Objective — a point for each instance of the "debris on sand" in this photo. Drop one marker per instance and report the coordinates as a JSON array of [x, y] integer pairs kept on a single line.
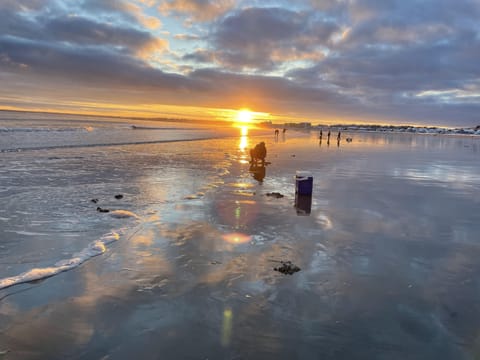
[[94, 201], [119, 196], [99, 209], [287, 268], [275, 195]]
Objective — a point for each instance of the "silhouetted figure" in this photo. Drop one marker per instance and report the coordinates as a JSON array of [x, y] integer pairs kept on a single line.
[[338, 136], [258, 171], [321, 134], [259, 152], [276, 132], [284, 130], [328, 136]]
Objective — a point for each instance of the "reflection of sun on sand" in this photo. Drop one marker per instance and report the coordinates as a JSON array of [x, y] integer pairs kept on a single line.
[[243, 138], [244, 120], [236, 238]]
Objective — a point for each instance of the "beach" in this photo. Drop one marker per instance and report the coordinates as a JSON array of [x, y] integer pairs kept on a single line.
[[182, 265]]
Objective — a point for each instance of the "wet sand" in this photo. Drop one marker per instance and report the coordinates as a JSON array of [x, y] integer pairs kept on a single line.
[[388, 255]]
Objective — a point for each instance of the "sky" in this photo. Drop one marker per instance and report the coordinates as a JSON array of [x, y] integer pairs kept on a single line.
[[322, 61]]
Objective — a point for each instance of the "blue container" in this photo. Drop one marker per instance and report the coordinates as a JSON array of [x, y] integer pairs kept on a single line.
[[303, 183]]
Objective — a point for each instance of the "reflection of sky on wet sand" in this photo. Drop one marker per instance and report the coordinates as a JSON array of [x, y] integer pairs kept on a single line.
[[388, 258], [452, 175]]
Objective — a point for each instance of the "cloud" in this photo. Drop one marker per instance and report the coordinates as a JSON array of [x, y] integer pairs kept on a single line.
[[14, 24], [100, 74], [127, 76], [394, 50], [79, 31], [129, 11], [263, 38], [83, 31], [196, 10], [150, 22], [22, 5], [149, 3], [187, 37], [200, 56], [93, 66]]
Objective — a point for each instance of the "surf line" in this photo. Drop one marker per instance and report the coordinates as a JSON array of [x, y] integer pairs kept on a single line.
[[95, 248]]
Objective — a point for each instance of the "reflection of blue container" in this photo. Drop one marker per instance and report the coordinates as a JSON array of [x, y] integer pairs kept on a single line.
[[303, 204], [303, 183]]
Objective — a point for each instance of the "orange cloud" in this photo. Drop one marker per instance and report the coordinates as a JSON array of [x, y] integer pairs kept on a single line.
[[196, 9], [149, 49], [136, 11]]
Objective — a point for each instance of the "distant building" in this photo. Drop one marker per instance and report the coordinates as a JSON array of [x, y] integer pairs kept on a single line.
[[302, 125]]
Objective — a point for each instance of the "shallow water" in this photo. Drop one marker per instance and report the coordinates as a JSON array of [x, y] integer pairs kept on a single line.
[[388, 253], [63, 132]]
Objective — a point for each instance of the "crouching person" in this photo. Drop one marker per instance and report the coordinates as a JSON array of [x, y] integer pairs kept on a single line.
[[259, 152]]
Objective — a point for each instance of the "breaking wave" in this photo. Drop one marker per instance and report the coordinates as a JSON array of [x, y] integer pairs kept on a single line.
[[95, 248]]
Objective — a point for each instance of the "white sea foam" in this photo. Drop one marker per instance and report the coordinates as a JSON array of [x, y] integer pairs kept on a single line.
[[198, 195], [37, 129], [27, 233], [95, 248], [120, 214]]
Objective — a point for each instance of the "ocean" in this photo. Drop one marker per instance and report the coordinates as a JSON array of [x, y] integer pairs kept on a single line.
[[56, 170]]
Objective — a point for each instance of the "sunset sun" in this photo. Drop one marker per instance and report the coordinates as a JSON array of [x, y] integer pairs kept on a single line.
[[244, 116]]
